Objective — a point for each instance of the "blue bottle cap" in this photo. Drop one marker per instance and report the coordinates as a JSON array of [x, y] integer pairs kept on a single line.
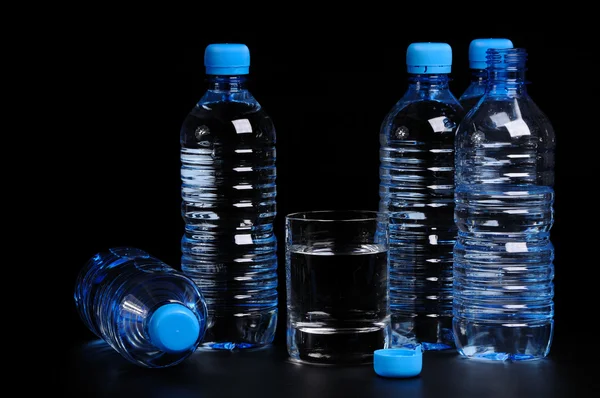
[[398, 362], [227, 59], [478, 48], [173, 328], [429, 58]]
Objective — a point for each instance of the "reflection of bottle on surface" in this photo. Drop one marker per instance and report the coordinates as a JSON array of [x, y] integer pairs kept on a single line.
[[417, 193], [503, 258], [478, 65], [147, 311], [228, 204]]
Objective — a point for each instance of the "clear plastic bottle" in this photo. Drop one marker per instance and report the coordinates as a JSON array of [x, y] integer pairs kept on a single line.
[[150, 313], [417, 194], [477, 66], [503, 257], [229, 204]]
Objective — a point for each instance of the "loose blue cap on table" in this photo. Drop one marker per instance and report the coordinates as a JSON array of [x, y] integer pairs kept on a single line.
[[429, 58], [173, 328], [398, 362], [479, 47], [227, 59]]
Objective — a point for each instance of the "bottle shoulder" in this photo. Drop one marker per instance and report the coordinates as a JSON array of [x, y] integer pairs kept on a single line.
[[505, 119], [227, 109], [422, 115], [473, 90], [444, 95], [426, 106], [223, 96], [234, 122]]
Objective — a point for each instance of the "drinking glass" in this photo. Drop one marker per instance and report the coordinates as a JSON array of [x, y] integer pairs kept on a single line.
[[337, 286]]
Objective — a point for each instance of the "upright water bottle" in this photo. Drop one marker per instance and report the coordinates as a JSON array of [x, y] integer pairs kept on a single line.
[[229, 204], [417, 195], [477, 66], [503, 258], [151, 314]]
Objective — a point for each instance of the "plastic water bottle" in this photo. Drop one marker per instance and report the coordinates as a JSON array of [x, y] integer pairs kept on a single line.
[[477, 66], [229, 204], [417, 194], [503, 258], [150, 313]]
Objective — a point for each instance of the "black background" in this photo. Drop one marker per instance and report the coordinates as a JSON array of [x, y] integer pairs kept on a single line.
[[114, 173]]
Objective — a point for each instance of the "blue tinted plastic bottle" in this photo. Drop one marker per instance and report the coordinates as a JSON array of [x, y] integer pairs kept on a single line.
[[229, 204], [477, 66], [147, 311], [417, 194], [503, 258]]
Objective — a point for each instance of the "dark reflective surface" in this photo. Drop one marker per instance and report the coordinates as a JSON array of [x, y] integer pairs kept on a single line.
[[127, 97], [94, 369]]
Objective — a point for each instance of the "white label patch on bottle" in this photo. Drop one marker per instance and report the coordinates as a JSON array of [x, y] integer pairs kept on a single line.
[[437, 124], [516, 128], [243, 239], [500, 119], [412, 215], [516, 247], [242, 126]]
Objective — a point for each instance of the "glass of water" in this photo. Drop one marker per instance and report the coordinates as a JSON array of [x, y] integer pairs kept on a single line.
[[337, 286]]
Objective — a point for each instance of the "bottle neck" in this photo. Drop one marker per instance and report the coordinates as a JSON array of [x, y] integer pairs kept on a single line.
[[226, 89], [507, 83], [506, 71], [428, 83], [479, 77], [229, 84]]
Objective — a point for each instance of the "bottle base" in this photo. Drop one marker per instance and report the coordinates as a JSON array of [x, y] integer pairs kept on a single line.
[[498, 342], [231, 346], [432, 333], [227, 331], [500, 357]]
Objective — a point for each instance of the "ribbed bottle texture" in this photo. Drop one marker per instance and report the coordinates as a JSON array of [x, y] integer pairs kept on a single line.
[[503, 258], [150, 313], [417, 194], [228, 175]]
